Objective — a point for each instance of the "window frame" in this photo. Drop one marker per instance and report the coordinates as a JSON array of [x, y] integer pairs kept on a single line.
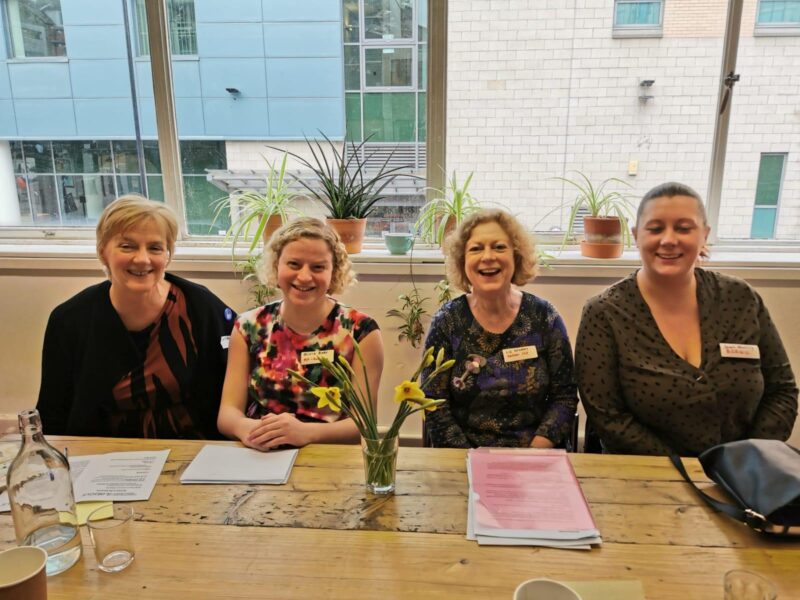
[[139, 33], [777, 206], [791, 28], [635, 30], [5, 23]]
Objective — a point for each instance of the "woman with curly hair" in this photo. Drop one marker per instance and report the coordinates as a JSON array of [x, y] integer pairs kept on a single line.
[[262, 405], [513, 383]]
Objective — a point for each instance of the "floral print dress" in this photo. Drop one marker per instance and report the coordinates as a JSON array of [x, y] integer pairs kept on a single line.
[[492, 401], [274, 348]]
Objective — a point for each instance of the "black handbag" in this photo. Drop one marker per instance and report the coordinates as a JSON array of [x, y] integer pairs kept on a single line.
[[761, 476]]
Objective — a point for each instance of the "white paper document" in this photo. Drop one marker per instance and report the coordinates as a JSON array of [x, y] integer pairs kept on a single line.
[[116, 476], [226, 464]]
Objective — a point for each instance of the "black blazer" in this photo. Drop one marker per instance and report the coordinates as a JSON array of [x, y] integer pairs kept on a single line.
[[87, 350]]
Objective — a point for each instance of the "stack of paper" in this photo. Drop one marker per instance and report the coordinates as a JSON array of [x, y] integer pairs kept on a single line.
[[526, 497], [226, 464]]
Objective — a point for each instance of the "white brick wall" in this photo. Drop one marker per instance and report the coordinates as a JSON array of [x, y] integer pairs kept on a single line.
[[537, 90]]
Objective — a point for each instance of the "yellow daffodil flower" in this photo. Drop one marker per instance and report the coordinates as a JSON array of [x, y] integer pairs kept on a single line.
[[328, 396], [408, 390]]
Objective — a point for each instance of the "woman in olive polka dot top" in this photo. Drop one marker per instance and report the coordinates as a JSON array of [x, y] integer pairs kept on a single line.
[[675, 357]]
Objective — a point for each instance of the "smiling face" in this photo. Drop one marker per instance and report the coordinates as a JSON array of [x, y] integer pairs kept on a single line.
[[489, 259], [670, 235], [137, 258], [305, 269]]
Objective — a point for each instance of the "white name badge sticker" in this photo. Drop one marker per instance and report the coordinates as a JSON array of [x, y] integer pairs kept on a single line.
[[523, 353], [747, 351], [225, 341], [312, 356]]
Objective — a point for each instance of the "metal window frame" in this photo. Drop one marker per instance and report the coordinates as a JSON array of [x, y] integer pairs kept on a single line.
[[788, 28], [637, 29]]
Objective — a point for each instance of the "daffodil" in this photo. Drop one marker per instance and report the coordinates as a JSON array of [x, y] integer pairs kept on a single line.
[[328, 396], [408, 390]]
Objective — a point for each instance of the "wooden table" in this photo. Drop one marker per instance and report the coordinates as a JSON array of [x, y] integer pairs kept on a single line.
[[322, 536]]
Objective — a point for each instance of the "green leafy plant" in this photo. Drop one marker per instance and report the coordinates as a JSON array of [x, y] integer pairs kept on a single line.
[[444, 293], [410, 315], [599, 202], [253, 209], [342, 184], [454, 204], [260, 293]]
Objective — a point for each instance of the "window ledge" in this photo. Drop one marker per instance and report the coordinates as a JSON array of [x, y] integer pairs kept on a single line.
[[776, 30], [637, 32], [377, 261]]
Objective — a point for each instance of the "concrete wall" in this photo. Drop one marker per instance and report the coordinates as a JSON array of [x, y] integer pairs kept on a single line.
[[29, 295]]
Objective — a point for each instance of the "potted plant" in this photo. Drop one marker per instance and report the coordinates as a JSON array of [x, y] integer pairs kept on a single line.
[[345, 187], [605, 228], [441, 215], [260, 213]]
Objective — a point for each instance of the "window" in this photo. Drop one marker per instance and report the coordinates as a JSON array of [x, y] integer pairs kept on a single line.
[[635, 18], [35, 28], [778, 17], [182, 28], [768, 193]]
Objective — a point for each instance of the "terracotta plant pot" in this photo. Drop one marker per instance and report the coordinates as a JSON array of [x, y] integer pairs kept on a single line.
[[274, 222], [351, 231], [603, 237]]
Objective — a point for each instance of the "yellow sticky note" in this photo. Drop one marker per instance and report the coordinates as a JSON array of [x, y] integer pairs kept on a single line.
[[84, 509]]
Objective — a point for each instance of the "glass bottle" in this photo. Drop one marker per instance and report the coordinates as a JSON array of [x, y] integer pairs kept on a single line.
[[41, 498]]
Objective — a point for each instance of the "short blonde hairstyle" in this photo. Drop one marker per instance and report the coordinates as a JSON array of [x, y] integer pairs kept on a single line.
[[314, 229], [525, 263], [131, 211]]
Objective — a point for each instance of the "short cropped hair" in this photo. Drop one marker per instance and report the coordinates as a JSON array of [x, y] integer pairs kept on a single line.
[[525, 263], [308, 228], [131, 211], [670, 189]]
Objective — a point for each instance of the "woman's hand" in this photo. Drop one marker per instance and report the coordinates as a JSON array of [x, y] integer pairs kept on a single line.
[[539, 441], [274, 430]]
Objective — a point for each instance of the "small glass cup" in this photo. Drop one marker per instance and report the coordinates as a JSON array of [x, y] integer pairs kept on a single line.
[[113, 543], [746, 585]]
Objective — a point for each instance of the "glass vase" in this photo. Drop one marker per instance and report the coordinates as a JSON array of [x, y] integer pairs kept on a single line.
[[380, 462], [41, 498]]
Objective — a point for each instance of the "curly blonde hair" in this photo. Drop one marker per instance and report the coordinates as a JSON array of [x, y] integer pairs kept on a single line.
[[314, 229], [525, 263], [131, 211]]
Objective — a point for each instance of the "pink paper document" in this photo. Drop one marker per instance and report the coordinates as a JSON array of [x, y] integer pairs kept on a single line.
[[528, 494]]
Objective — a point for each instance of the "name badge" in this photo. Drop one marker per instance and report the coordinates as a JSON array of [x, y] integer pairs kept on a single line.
[[312, 357], [523, 353], [747, 351], [225, 341]]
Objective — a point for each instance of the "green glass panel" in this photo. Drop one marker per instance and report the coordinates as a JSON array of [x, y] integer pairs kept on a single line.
[[422, 20], [422, 106], [37, 157], [770, 171], [126, 161], [352, 68], [422, 67], [83, 157], [778, 12], [350, 21], [763, 226], [389, 117], [388, 67], [16, 157], [388, 19], [200, 195], [352, 104], [638, 13], [155, 188], [197, 156]]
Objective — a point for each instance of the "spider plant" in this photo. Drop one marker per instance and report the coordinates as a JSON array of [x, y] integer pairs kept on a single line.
[[452, 206], [410, 314]]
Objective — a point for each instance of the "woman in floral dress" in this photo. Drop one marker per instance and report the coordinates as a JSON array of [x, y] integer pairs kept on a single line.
[[262, 405]]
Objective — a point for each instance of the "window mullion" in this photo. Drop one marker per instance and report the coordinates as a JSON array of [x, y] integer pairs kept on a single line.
[[720, 141], [166, 123]]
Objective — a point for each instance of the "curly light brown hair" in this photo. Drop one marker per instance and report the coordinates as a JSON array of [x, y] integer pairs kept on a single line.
[[525, 263], [131, 210], [309, 228]]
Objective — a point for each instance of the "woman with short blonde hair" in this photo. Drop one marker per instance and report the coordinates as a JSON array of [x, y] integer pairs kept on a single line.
[[142, 354], [263, 406], [512, 384]]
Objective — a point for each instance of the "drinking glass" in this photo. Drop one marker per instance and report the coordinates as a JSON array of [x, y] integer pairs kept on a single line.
[[113, 543], [746, 585]]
